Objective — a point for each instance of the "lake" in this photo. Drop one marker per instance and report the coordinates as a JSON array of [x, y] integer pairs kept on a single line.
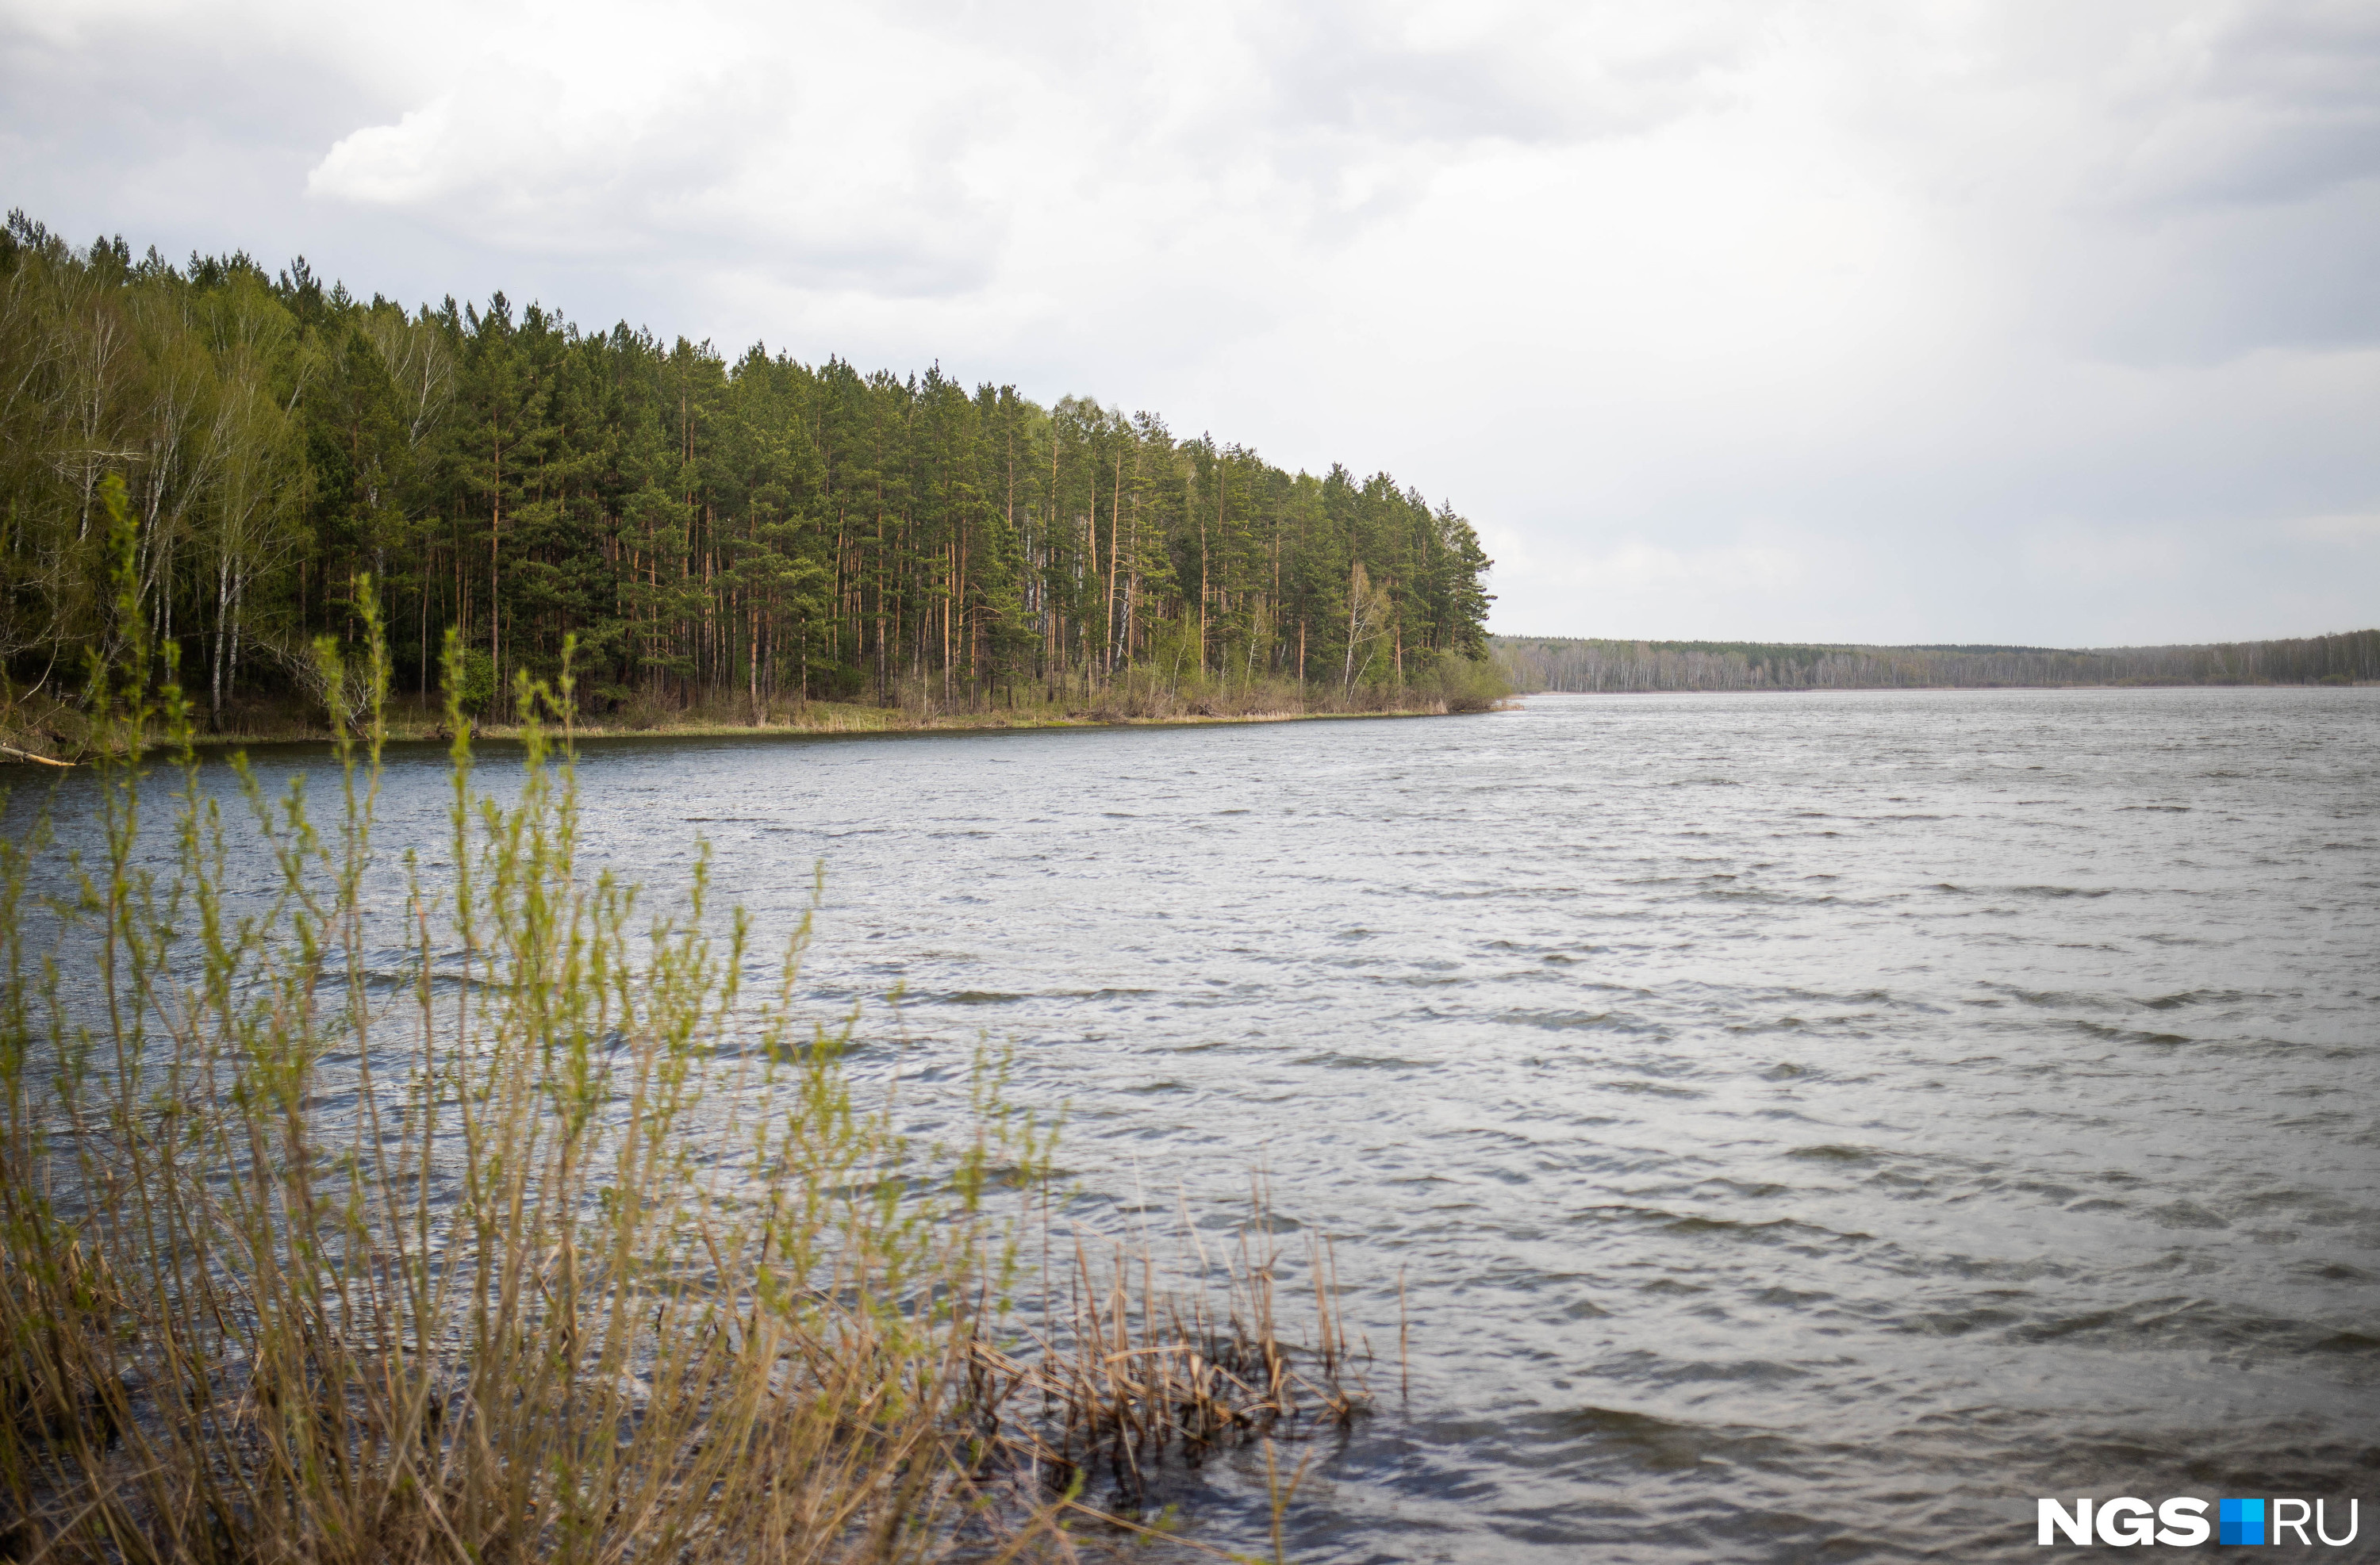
[[1808, 1126]]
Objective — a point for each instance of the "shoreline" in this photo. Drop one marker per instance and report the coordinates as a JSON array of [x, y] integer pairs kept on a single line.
[[841, 724], [1965, 689]]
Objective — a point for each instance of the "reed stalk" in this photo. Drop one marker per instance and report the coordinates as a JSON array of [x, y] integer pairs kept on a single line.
[[491, 1221]]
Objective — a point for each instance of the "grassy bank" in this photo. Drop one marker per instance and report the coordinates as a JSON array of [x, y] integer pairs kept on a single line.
[[501, 1223], [35, 730]]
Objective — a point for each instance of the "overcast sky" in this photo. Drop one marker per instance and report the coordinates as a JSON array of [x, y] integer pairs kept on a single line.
[[2027, 321]]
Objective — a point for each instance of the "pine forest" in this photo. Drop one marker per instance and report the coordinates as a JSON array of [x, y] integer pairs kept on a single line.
[[731, 535]]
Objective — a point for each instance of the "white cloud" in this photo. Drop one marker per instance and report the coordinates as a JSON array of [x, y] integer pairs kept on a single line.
[[1729, 319], [2361, 530]]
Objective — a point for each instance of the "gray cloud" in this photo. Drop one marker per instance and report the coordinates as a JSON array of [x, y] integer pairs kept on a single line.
[[2031, 322]]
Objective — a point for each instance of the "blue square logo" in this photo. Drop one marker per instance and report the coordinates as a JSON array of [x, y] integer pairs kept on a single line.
[[2241, 1521]]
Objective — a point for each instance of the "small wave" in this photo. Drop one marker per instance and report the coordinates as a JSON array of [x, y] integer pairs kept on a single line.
[[2199, 997], [1335, 1062], [2187, 1214], [2332, 1272], [2128, 1035], [2348, 1343], [1757, 1371], [2059, 999], [1659, 1445], [1957, 1323], [1651, 1090], [2194, 1322], [1576, 1021], [1763, 1231]]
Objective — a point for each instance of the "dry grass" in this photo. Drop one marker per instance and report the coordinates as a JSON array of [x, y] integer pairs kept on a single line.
[[1146, 692], [540, 1241], [1127, 1368]]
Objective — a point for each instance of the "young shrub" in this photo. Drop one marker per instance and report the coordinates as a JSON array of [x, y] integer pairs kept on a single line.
[[555, 1249]]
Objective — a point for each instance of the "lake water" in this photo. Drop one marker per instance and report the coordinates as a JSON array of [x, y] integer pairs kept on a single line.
[[1810, 1126]]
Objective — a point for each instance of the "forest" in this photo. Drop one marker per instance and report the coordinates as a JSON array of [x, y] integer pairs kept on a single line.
[[1562, 663], [732, 536]]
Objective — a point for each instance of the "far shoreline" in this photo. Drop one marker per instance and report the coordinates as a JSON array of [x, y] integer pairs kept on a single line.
[[1966, 689]]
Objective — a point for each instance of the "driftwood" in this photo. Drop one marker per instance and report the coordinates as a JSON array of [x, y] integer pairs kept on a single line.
[[13, 753]]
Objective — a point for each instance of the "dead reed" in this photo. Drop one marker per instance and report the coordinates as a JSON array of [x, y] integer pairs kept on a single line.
[[1140, 1363], [542, 1242]]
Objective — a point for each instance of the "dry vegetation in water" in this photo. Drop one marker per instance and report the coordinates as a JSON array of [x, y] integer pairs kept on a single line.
[[537, 1241], [40, 729]]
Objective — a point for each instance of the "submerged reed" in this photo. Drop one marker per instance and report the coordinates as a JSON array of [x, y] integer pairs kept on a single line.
[[544, 1242], [1133, 1368]]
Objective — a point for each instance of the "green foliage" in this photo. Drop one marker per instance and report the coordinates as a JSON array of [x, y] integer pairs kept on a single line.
[[700, 528], [1472, 684], [497, 1222], [542, 1242], [471, 681], [1548, 662]]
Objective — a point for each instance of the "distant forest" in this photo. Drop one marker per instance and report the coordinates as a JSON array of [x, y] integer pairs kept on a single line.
[[1538, 662], [730, 531]]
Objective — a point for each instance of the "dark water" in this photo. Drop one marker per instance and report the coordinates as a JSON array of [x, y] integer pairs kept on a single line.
[[1812, 1126]]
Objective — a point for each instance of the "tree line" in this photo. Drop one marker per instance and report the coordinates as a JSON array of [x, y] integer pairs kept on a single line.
[[1565, 663], [710, 531]]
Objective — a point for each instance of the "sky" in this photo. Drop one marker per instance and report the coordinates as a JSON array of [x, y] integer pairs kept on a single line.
[[1879, 320]]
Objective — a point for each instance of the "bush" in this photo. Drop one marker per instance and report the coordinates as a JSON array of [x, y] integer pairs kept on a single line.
[[1472, 684], [538, 1241], [564, 1252], [470, 680]]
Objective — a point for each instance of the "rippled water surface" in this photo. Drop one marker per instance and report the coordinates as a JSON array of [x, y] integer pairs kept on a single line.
[[1810, 1126]]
